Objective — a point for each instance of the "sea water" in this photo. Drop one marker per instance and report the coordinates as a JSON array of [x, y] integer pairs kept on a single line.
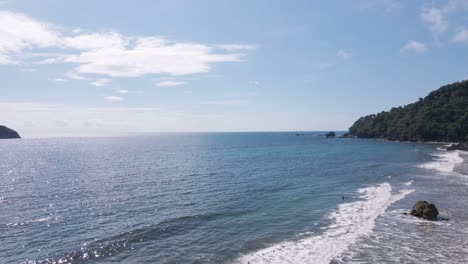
[[229, 198]]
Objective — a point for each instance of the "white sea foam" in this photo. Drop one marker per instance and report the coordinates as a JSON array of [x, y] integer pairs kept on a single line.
[[444, 161], [350, 222], [408, 183]]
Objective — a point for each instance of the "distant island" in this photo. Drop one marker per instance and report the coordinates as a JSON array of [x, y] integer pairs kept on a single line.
[[6, 132], [441, 116]]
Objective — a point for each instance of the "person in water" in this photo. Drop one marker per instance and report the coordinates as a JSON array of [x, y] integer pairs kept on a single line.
[[342, 197]]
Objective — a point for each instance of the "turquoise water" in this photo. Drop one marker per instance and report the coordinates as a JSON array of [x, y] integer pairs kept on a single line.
[[207, 197]]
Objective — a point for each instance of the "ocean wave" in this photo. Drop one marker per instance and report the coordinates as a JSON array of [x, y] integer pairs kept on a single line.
[[48, 220], [350, 222], [444, 161], [129, 240], [408, 183]]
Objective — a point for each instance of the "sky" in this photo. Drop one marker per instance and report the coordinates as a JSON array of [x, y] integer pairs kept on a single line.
[[97, 68]]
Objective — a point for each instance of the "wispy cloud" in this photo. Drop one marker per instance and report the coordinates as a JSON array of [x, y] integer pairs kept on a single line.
[[113, 98], [414, 46], [27, 33], [461, 36], [60, 80], [100, 82], [169, 83], [343, 54], [237, 47], [110, 54], [437, 18], [75, 120], [125, 91]]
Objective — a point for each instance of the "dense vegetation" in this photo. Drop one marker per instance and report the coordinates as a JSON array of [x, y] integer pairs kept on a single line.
[[440, 116]]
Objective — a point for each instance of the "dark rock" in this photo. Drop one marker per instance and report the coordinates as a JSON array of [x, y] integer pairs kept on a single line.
[[459, 146], [347, 135], [330, 134], [6, 132], [425, 210]]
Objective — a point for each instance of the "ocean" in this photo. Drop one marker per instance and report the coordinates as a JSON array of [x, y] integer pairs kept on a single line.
[[229, 198]]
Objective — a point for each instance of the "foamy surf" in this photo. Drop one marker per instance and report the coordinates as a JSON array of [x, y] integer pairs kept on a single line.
[[445, 161], [350, 222], [408, 183]]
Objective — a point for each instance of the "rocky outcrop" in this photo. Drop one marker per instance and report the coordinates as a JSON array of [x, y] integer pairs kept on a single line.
[[459, 146], [330, 134], [6, 132], [347, 135], [425, 210]]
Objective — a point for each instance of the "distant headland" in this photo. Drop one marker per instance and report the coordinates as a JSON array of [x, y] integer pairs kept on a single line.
[[6, 132], [441, 116]]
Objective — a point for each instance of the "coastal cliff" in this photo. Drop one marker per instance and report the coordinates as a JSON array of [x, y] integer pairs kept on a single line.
[[6, 132], [440, 116]]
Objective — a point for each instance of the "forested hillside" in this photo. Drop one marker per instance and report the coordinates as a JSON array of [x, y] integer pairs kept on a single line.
[[440, 116]]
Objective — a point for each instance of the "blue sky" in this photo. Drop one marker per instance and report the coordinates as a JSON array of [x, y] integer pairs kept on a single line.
[[84, 68]]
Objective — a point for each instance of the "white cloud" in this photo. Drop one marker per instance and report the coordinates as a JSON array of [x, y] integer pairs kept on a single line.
[[60, 80], [437, 17], [150, 55], [109, 54], [414, 46], [343, 54], [75, 76], [19, 32], [112, 98], [123, 91], [461, 36], [96, 41], [436, 20], [100, 82], [169, 83]]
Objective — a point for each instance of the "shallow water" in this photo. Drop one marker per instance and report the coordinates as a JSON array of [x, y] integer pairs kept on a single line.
[[226, 198]]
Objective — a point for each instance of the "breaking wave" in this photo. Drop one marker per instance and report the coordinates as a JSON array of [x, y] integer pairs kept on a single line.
[[349, 222]]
